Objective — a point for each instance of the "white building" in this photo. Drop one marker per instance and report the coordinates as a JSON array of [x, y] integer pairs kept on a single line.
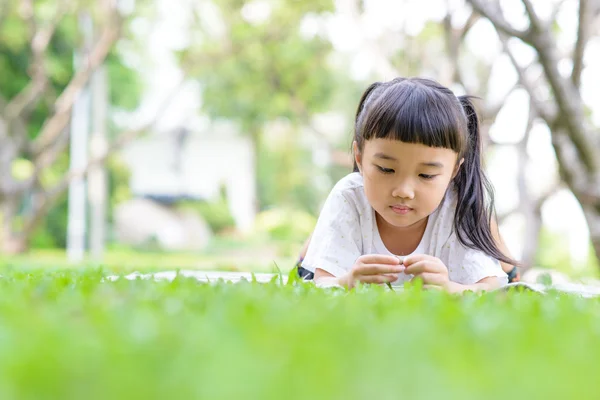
[[183, 164]]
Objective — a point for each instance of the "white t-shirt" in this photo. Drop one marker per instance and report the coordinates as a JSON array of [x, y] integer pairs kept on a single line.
[[347, 229]]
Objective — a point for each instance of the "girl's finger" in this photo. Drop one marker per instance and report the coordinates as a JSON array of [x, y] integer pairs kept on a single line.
[[378, 259], [417, 268], [425, 266], [415, 258], [378, 269]]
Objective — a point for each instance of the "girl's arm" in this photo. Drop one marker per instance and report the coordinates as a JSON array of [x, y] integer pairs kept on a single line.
[[502, 247], [325, 279], [487, 284], [304, 248]]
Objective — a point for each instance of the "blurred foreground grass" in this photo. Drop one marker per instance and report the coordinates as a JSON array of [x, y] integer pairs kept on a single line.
[[70, 335]]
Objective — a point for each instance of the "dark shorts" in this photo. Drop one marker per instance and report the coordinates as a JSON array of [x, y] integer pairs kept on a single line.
[[303, 272], [512, 275]]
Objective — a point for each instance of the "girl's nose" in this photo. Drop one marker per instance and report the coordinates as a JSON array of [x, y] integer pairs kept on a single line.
[[404, 191]]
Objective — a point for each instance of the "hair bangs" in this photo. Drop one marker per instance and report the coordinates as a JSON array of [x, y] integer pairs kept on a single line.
[[414, 113]]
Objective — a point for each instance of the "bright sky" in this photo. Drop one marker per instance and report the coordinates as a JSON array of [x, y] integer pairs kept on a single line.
[[362, 40]]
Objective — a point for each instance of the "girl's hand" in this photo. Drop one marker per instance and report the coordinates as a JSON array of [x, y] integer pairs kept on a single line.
[[431, 270], [374, 268]]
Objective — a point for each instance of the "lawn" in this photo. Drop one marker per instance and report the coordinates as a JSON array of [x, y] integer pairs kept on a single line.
[[127, 260], [69, 334]]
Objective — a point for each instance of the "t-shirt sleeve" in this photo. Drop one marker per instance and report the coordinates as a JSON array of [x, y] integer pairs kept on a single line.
[[475, 266], [336, 242]]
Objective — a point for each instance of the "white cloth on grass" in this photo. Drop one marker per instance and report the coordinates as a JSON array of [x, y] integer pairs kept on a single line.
[[347, 229]]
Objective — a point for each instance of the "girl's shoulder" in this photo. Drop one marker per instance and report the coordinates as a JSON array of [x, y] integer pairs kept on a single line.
[[349, 183], [349, 191]]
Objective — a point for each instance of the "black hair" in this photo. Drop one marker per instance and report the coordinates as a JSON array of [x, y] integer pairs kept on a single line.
[[418, 110], [366, 100]]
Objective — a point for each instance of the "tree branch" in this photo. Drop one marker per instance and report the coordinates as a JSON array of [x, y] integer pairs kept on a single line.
[[535, 22], [566, 93], [47, 198], [571, 168], [556, 10], [9, 150], [583, 34], [26, 97], [40, 38], [58, 122], [569, 102], [17, 125], [454, 39], [543, 110], [473, 18], [494, 15], [48, 157], [27, 13], [491, 111], [525, 199]]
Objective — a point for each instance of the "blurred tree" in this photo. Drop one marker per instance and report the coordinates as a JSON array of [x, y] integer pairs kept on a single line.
[[259, 65], [38, 87], [557, 97], [529, 204]]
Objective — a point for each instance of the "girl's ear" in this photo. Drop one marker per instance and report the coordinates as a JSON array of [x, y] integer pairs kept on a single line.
[[457, 168], [357, 155]]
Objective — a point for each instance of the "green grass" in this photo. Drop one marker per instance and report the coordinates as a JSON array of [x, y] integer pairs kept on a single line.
[[69, 335]]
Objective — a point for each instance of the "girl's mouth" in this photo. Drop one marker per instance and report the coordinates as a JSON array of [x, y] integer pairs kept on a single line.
[[401, 209]]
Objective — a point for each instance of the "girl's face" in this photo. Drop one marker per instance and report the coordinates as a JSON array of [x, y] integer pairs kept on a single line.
[[405, 182]]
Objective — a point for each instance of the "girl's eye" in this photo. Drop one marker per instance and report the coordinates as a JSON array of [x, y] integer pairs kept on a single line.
[[385, 170], [427, 177]]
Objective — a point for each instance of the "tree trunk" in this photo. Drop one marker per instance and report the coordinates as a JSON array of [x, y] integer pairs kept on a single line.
[[574, 140], [592, 216], [530, 205], [533, 227], [12, 242], [596, 245]]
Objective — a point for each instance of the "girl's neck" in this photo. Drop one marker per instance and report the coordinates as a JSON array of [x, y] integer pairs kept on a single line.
[[401, 241]]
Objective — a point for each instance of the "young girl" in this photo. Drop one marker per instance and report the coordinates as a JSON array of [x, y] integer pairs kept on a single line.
[[416, 205]]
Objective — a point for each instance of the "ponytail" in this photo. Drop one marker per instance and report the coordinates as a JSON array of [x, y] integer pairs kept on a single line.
[[475, 203]]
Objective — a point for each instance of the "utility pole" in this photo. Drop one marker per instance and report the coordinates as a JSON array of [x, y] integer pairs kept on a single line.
[[80, 125], [97, 177]]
